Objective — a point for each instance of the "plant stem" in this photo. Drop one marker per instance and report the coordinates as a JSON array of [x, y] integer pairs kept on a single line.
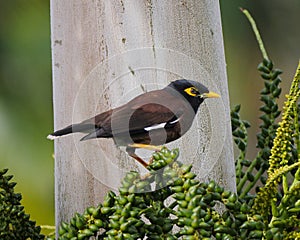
[[242, 155], [244, 179], [239, 167], [251, 184], [256, 32]]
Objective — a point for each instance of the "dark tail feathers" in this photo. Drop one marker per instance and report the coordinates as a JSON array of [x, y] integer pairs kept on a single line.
[[72, 129]]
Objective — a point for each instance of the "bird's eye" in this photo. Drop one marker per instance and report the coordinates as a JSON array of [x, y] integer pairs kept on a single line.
[[192, 91]]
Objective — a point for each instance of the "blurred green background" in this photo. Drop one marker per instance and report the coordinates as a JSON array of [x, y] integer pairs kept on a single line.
[[25, 83]]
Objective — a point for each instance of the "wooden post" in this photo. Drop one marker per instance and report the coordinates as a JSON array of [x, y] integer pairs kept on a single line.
[[107, 52]]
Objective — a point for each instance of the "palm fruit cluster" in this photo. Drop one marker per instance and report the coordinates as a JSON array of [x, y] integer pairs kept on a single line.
[[14, 222], [269, 94], [282, 211], [137, 211], [168, 203], [250, 172], [199, 211]]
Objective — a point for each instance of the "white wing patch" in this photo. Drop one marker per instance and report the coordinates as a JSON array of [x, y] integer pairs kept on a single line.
[[160, 126], [157, 126], [175, 121]]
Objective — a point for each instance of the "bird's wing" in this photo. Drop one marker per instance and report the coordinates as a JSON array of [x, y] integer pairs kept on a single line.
[[152, 115], [147, 110], [136, 120]]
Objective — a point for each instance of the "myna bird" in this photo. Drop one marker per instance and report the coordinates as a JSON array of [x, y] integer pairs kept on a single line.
[[147, 121]]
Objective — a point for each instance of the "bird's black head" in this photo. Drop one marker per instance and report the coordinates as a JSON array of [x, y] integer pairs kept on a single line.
[[193, 91]]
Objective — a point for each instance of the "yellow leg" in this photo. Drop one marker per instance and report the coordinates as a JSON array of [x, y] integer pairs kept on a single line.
[[145, 146]]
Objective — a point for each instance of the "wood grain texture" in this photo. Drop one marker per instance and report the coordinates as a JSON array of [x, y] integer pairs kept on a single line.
[[104, 53]]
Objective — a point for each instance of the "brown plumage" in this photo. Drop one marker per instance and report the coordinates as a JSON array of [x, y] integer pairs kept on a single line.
[[153, 118]]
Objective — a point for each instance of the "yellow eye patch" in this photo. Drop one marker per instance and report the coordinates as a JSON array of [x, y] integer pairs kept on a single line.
[[192, 91]]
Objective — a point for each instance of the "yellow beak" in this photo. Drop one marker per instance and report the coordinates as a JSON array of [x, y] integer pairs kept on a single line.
[[210, 95]]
